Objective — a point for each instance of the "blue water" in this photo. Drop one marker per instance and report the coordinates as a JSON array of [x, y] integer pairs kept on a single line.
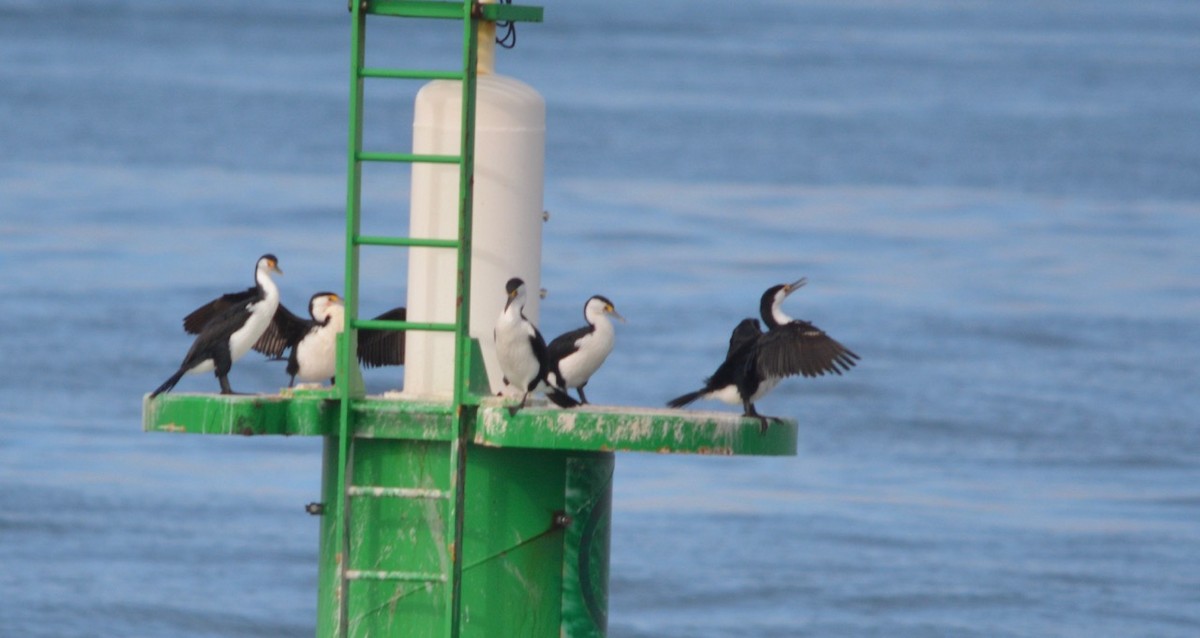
[[997, 204]]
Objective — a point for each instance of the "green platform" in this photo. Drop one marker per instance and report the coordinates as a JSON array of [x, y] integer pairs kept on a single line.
[[589, 428]]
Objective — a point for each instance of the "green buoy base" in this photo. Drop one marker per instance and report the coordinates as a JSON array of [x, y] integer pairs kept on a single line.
[[537, 502]]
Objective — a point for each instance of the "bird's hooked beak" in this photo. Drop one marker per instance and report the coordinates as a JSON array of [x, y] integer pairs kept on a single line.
[[275, 267], [795, 285], [613, 311]]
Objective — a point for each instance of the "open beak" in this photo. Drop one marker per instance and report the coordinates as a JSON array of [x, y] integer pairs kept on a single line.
[[795, 285]]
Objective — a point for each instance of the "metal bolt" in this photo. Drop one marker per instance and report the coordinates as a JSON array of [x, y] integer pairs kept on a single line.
[[561, 519], [545, 215], [316, 509]]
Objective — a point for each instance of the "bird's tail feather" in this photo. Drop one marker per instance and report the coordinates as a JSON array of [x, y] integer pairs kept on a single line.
[[684, 399], [560, 398], [169, 383]]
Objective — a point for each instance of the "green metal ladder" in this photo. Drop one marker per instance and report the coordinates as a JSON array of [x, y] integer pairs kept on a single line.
[[464, 404]]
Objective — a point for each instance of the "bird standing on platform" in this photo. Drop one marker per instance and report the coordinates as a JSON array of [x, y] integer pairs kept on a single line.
[[228, 327], [756, 363], [521, 351], [579, 353], [734, 382], [313, 342]]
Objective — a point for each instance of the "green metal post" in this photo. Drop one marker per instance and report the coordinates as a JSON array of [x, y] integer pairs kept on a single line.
[[348, 375], [464, 414]]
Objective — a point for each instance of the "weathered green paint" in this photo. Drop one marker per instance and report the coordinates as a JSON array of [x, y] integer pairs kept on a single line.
[[634, 430], [587, 428], [529, 510], [242, 415], [525, 571], [585, 548]]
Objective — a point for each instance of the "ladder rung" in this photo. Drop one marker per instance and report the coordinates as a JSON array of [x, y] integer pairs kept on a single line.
[[411, 158], [396, 492], [419, 577], [415, 326], [414, 242], [416, 8], [409, 74], [453, 10]]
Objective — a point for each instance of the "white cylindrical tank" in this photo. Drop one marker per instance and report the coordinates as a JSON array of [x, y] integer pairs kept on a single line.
[[510, 134]]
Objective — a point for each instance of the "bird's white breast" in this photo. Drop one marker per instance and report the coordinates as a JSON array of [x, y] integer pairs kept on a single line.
[[316, 354], [514, 350], [593, 349], [256, 324]]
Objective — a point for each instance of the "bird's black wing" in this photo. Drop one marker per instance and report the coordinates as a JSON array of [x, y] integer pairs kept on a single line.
[[216, 332], [383, 347], [801, 348], [566, 344], [194, 323], [546, 367], [285, 330], [538, 343], [745, 334], [739, 361]]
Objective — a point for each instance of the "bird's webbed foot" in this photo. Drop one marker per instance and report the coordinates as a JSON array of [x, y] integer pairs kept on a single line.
[[512, 409], [764, 421]]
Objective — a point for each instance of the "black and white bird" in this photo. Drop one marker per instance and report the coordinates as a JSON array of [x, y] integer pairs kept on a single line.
[[735, 381], [794, 346], [313, 342], [578, 354], [521, 351], [228, 327], [758, 361]]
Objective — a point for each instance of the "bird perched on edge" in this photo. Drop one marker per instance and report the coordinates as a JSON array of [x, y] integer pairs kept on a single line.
[[313, 342], [756, 361], [521, 350], [579, 353], [229, 327]]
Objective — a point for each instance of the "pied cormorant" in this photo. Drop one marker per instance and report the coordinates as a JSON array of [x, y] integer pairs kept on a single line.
[[313, 342], [579, 353], [758, 361], [734, 381], [521, 351], [229, 326]]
